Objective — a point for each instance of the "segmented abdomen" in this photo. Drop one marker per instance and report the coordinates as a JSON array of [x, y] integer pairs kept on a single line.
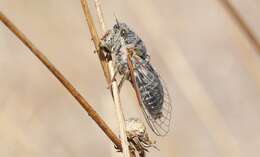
[[151, 89]]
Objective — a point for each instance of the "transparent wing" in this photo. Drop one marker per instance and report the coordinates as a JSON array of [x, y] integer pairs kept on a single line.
[[151, 91]]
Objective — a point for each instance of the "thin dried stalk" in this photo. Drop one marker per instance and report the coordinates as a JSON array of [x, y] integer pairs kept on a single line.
[[115, 93], [241, 23], [72, 90], [100, 16], [94, 37]]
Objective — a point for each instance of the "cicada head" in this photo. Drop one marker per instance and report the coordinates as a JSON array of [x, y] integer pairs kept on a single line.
[[121, 30], [117, 36]]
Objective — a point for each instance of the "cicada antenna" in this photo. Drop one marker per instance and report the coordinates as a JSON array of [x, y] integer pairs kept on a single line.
[[117, 22]]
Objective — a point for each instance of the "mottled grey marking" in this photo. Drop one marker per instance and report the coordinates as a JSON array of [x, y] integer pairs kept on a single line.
[[116, 42]]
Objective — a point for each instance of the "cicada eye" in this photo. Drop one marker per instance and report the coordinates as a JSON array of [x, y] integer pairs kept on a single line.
[[116, 26], [123, 33]]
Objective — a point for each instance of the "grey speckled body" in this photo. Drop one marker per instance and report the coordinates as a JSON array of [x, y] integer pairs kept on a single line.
[[117, 42]]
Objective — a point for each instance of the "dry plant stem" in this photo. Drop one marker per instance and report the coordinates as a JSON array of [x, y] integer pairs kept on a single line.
[[119, 113], [95, 39], [87, 107], [115, 93], [100, 16], [242, 24]]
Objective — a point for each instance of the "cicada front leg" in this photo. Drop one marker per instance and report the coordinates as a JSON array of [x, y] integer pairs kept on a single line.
[[105, 45], [112, 79], [122, 80], [125, 77], [106, 34]]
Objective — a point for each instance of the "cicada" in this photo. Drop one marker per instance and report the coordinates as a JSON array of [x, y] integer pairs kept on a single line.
[[132, 62]]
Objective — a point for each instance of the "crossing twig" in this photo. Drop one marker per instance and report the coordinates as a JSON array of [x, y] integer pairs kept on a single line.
[[72, 90]]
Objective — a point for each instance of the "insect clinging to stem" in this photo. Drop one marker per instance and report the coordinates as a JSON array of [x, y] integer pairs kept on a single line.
[[132, 61]]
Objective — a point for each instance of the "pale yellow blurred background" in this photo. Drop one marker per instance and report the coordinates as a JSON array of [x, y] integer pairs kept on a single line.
[[211, 70]]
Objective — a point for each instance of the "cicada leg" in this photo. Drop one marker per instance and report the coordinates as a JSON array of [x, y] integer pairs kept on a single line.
[[125, 77], [105, 35], [112, 79], [103, 45]]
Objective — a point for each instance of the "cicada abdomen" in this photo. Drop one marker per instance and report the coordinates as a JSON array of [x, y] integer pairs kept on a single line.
[[151, 89], [156, 103]]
